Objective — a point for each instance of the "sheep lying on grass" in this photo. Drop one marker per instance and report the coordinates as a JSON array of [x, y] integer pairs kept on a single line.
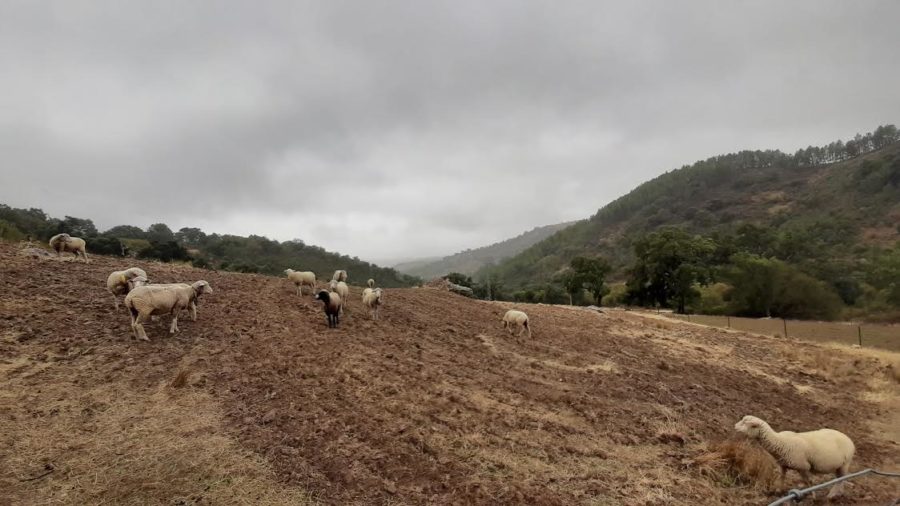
[[144, 301], [517, 320], [62, 243], [372, 299], [118, 282], [333, 306], [818, 451], [341, 289], [301, 279], [339, 276]]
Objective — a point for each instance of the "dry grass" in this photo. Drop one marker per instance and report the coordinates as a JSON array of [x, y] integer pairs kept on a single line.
[[735, 463], [165, 448]]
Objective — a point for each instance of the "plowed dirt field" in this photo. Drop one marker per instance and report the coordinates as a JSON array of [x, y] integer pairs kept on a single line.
[[259, 402]]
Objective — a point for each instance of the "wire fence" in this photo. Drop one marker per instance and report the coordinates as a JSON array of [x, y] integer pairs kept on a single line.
[[883, 336]]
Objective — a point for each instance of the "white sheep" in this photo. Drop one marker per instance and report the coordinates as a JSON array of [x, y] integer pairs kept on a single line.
[[144, 301], [372, 299], [370, 283], [118, 282], [819, 451], [517, 320], [301, 279], [333, 306], [341, 289], [62, 243], [339, 276]]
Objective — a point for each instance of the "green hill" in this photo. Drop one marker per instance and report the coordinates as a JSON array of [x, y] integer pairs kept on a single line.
[[471, 260], [823, 203]]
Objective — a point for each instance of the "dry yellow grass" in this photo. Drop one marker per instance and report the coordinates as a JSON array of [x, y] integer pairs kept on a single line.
[[167, 447], [739, 463]]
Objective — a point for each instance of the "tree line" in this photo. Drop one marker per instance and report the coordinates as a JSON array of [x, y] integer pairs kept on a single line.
[[254, 254]]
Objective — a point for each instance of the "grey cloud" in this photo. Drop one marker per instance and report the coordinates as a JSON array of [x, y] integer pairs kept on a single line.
[[396, 129]]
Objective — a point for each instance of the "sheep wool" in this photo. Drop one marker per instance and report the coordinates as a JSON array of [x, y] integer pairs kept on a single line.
[[118, 282], [339, 276], [145, 301], [515, 320], [302, 279], [62, 243], [370, 283], [341, 289], [818, 451], [372, 299]]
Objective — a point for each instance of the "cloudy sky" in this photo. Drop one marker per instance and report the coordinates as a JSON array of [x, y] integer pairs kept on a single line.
[[391, 130]]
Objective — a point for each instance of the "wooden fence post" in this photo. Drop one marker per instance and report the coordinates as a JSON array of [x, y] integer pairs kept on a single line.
[[729, 321], [859, 333], [785, 326]]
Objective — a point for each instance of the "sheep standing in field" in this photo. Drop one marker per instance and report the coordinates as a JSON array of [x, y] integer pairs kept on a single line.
[[372, 299], [118, 282], [339, 276], [148, 300], [818, 451], [301, 279], [62, 243], [192, 308], [341, 289], [370, 283], [517, 320], [333, 306]]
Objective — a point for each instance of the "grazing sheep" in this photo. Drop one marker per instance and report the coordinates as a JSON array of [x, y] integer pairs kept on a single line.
[[62, 243], [339, 276], [518, 320], [372, 299], [370, 283], [342, 289], [333, 306], [193, 306], [301, 279], [118, 282], [819, 451], [144, 301]]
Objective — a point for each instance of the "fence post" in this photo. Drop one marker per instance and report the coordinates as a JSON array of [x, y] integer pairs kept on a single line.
[[785, 326], [859, 333], [729, 321], [689, 316]]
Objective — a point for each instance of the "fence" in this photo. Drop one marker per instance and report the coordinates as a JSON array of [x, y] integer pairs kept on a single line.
[[886, 337]]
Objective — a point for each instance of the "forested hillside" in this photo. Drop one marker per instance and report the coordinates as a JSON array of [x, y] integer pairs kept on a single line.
[[829, 211], [226, 252], [471, 260]]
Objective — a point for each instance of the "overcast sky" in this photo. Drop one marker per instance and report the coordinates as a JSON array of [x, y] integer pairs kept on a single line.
[[391, 130]]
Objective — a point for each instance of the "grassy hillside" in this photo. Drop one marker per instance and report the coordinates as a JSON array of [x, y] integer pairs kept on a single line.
[[833, 211], [471, 260], [259, 402]]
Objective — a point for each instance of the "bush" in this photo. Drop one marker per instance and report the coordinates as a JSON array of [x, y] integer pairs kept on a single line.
[[101, 245], [617, 296], [712, 299], [9, 232], [165, 251]]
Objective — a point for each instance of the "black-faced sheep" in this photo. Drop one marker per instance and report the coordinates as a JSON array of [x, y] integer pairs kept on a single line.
[[62, 243], [818, 451], [333, 306]]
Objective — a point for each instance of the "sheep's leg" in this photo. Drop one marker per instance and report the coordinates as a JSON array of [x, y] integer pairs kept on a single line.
[[116, 301], [838, 490], [139, 327], [193, 311], [173, 328]]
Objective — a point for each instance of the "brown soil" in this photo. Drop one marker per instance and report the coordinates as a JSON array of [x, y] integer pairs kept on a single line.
[[259, 402]]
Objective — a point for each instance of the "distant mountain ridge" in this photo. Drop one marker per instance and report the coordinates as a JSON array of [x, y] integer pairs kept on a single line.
[[833, 199], [468, 262]]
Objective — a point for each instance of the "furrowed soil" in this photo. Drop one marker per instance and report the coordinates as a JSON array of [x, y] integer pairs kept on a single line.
[[259, 402]]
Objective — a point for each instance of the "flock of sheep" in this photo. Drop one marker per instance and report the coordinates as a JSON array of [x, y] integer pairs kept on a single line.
[[819, 451]]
